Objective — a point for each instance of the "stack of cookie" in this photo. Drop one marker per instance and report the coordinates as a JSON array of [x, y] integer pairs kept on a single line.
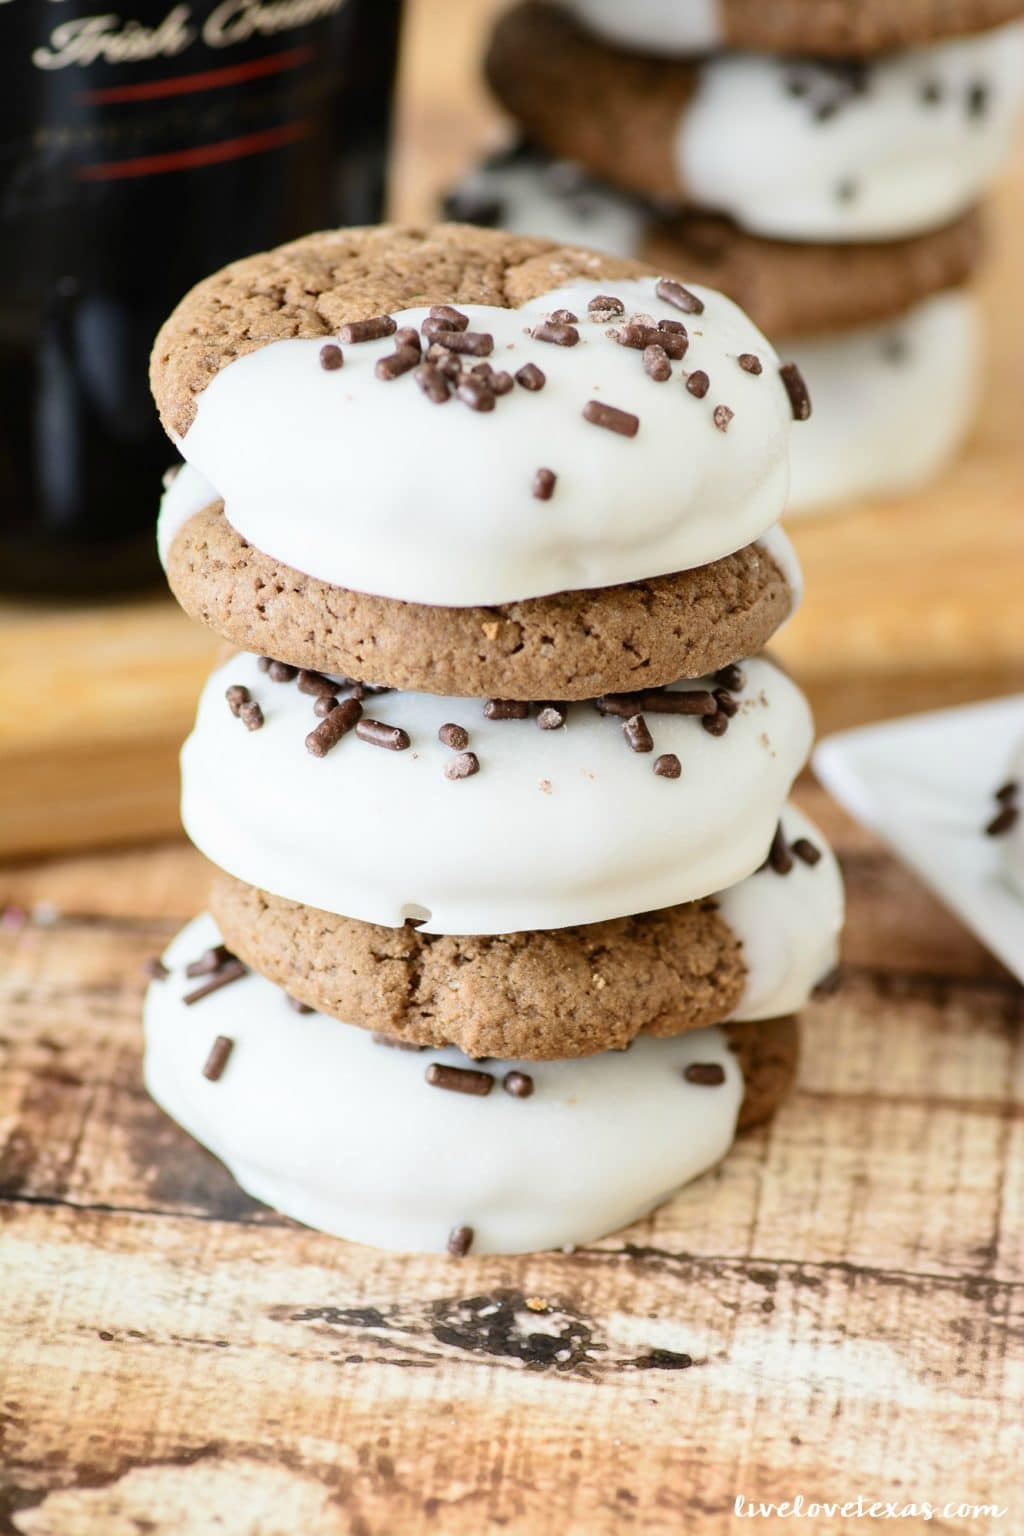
[[831, 196], [512, 914]]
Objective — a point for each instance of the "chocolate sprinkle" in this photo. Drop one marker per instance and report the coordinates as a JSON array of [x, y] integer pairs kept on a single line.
[[367, 330], [552, 717], [667, 766], [236, 695], [1003, 821], [977, 99], [716, 724], [656, 363], [721, 416], [604, 305], [473, 343], [397, 363], [749, 363], [315, 683], [392, 737], [698, 383], [686, 701], [506, 709], [217, 1060], [478, 395], [459, 1079], [806, 852], [556, 331], [543, 484], [706, 1074], [779, 857], [462, 767], [611, 418], [636, 733], [796, 389], [679, 297], [530, 377], [324, 704], [502, 382], [408, 336], [282, 672], [731, 677], [518, 1084], [233, 971], [155, 969], [460, 1241], [209, 961], [564, 317], [1008, 791], [297, 1005], [331, 357], [454, 736], [251, 716], [454, 319], [432, 382], [333, 727], [635, 335], [263, 662]]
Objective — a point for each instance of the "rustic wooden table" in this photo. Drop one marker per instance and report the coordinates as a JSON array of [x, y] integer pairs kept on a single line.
[[837, 1311]]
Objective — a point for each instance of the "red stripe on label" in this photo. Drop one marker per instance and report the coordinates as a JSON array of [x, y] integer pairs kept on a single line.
[[201, 154], [205, 80]]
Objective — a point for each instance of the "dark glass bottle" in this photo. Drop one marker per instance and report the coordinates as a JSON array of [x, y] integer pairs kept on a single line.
[[139, 152]]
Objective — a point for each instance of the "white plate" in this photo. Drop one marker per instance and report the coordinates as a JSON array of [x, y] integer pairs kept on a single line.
[[925, 784]]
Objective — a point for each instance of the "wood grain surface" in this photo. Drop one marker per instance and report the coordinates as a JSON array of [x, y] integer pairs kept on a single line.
[[837, 1310]]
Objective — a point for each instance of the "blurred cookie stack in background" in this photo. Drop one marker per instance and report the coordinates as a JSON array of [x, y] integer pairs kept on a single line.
[[822, 165]]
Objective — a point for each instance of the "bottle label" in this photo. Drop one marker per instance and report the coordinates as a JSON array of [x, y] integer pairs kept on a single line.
[[158, 88]]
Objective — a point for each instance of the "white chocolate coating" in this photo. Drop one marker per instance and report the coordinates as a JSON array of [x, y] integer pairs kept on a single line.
[[367, 485], [190, 492], [789, 926], [888, 162], [558, 827], [674, 27], [892, 403], [1013, 841], [186, 494], [314, 1118], [534, 195]]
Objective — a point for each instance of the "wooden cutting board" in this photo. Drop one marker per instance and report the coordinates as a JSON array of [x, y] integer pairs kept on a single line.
[[836, 1310], [908, 604]]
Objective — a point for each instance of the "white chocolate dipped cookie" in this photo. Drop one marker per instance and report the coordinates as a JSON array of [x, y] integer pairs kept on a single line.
[[893, 398], [845, 29], [794, 149], [756, 951], [511, 826], [600, 477], [427, 1151]]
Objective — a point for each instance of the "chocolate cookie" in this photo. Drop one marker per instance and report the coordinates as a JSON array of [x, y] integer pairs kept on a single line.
[[789, 288], [768, 1053], [574, 645], [580, 422], [542, 995], [312, 287], [754, 951], [841, 29], [800, 149]]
